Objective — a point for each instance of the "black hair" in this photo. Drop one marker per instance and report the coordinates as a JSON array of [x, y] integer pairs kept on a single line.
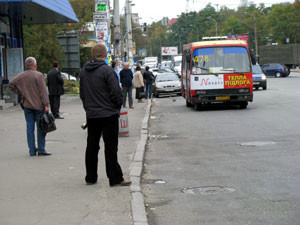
[[55, 64], [138, 68], [147, 68]]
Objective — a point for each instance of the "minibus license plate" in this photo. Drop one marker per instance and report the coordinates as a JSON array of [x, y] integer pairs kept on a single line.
[[223, 98]]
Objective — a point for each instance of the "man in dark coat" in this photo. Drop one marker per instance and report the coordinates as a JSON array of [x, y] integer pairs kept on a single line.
[[126, 77], [55, 89], [101, 96]]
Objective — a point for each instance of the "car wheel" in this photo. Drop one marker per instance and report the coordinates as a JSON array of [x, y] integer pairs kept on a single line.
[[256, 88], [243, 105], [265, 88], [278, 75], [197, 106]]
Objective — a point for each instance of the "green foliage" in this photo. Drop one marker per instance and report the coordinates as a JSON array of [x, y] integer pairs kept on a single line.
[[71, 87], [276, 24]]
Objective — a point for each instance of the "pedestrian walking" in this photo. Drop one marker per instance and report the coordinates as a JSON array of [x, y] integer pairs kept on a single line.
[[55, 89], [149, 79], [31, 86], [101, 96], [116, 68], [126, 77], [139, 84]]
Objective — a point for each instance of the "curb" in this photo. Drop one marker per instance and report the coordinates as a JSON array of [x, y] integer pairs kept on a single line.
[[139, 215]]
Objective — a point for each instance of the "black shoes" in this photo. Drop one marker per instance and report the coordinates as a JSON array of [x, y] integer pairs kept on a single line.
[[58, 117], [44, 153]]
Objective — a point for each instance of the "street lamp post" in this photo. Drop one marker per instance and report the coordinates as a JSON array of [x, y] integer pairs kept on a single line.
[[255, 34], [210, 18]]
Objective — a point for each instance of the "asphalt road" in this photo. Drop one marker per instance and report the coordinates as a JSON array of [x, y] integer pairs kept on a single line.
[[226, 165]]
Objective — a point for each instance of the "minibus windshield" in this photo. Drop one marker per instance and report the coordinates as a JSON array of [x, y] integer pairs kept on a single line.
[[220, 60]]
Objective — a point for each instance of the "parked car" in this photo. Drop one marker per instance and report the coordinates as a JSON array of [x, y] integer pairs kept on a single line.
[[259, 79], [275, 69], [166, 84], [68, 76]]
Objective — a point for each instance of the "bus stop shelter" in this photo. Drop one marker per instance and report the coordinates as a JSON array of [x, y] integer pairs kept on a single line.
[[13, 15]]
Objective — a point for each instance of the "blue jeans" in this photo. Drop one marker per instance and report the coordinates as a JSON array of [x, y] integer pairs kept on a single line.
[[148, 89], [32, 118]]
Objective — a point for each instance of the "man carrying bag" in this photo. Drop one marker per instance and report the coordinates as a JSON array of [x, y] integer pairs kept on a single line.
[[31, 86]]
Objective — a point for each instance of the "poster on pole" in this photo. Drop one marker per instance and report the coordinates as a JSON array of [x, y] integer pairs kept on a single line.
[[169, 51], [101, 31]]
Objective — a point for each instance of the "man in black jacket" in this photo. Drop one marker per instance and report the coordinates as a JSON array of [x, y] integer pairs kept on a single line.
[[56, 89], [126, 77], [101, 96]]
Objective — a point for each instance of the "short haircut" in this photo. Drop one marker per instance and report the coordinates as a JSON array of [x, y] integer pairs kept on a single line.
[[30, 62], [99, 51], [147, 68], [55, 64], [138, 68]]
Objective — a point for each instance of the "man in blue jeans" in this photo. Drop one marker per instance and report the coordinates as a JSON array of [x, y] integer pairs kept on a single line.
[[149, 79], [31, 86]]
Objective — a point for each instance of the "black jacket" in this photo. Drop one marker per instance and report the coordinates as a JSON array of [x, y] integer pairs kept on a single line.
[[100, 91], [126, 77], [55, 82], [148, 76]]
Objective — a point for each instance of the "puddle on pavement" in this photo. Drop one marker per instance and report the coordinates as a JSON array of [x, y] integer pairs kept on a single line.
[[154, 181], [258, 143], [209, 190], [162, 137]]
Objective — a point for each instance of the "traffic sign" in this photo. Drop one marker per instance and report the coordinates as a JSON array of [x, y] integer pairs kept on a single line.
[[99, 16]]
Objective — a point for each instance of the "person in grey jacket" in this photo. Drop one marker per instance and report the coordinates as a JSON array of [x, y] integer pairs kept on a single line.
[[102, 97]]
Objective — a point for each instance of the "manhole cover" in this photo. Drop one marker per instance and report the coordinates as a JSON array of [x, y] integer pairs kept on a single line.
[[212, 190], [258, 143]]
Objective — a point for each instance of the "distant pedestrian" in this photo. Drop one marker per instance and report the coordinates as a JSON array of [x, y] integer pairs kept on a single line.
[[126, 77], [31, 86], [149, 79], [116, 68], [139, 84], [55, 89], [101, 96]]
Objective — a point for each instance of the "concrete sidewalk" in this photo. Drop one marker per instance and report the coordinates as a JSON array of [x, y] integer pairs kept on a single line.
[[52, 190]]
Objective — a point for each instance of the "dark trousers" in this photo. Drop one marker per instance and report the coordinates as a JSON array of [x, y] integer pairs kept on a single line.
[[109, 128], [54, 104]]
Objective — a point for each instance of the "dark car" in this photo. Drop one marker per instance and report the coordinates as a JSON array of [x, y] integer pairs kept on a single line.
[[259, 79], [166, 84], [275, 69]]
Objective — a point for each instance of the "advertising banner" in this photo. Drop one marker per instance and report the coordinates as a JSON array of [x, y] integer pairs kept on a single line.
[[101, 31], [169, 51]]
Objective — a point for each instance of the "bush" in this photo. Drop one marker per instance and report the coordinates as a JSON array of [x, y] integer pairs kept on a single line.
[[71, 87]]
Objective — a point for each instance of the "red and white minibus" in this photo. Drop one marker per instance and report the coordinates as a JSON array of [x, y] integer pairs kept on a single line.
[[217, 71]]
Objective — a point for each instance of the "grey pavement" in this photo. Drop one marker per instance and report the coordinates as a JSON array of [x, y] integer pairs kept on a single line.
[[223, 165], [52, 190]]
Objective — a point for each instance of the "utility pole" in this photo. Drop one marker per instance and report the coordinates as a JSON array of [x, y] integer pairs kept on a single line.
[[129, 31], [255, 35], [101, 19], [117, 30]]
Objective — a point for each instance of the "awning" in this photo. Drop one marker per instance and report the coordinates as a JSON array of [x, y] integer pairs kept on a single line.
[[39, 11]]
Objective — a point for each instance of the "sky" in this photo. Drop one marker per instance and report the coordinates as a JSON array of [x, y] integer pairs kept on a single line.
[[155, 10]]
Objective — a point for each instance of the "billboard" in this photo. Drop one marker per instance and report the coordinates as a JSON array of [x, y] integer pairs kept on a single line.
[[169, 51]]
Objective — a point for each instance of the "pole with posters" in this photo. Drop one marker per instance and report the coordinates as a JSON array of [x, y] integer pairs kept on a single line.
[[101, 19]]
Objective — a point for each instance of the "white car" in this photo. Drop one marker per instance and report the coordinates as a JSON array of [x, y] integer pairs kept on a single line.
[[68, 77]]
